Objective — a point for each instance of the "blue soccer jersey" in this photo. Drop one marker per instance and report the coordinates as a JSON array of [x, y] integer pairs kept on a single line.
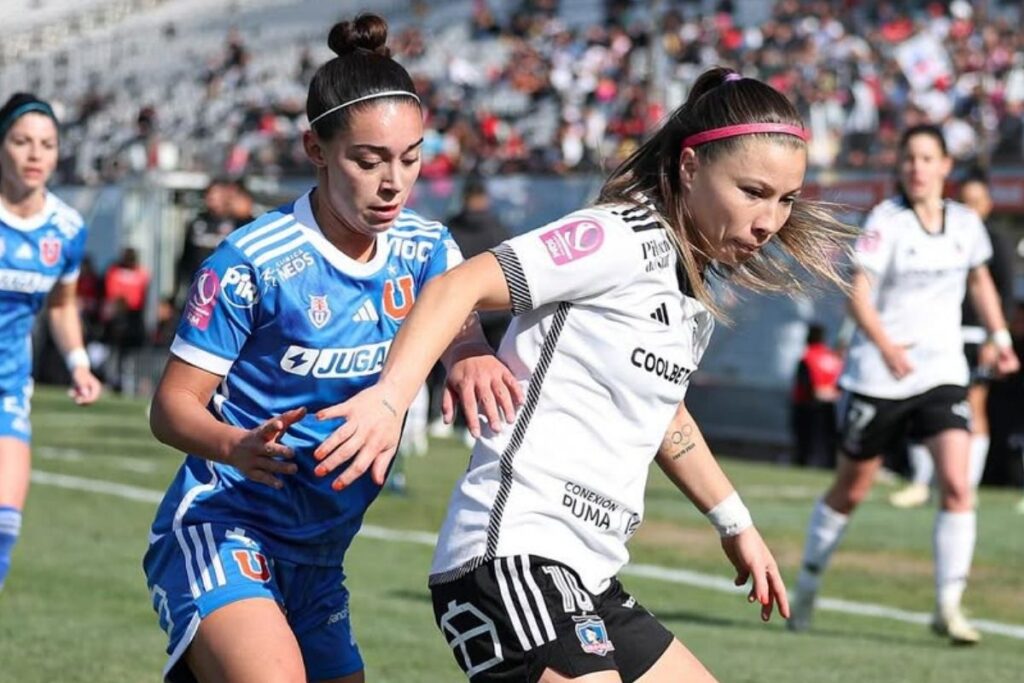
[[289, 320], [35, 253]]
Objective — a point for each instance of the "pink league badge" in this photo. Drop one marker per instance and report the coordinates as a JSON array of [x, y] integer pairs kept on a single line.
[[573, 240], [202, 298]]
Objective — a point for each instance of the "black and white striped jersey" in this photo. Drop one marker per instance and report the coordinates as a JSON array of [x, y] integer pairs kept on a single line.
[[603, 343]]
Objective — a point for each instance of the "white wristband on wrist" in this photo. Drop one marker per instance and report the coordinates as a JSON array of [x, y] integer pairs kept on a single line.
[[730, 517], [76, 358], [1002, 339]]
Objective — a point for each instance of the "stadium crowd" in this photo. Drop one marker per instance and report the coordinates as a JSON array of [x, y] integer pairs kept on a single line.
[[528, 92]]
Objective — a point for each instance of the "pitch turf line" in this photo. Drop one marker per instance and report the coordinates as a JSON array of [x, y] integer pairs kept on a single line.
[[649, 571]]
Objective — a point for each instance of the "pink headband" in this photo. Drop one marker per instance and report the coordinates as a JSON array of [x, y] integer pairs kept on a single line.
[[744, 129]]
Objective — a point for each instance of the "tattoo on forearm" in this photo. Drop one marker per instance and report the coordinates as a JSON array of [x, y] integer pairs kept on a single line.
[[391, 408], [679, 442]]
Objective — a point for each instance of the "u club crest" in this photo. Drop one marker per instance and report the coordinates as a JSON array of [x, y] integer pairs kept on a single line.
[[49, 251], [319, 311]]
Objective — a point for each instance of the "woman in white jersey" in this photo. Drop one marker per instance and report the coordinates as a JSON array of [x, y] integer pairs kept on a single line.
[[612, 315], [42, 241], [906, 373]]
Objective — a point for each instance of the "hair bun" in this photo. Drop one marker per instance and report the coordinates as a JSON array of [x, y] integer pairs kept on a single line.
[[368, 32]]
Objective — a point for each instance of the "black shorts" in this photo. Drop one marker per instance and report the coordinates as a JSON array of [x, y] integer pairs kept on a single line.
[[514, 617], [870, 426]]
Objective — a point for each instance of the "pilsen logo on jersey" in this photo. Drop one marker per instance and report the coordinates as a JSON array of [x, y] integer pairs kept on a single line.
[[202, 298], [49, 250], [572, 241], [319, 312]]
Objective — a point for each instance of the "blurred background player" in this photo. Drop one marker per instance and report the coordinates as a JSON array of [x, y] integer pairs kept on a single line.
[[612, 315], [290, 314], [126, 285], [475, 228], [227, 205], [813, 401], [42, 241], [906, 372], [980, 351]]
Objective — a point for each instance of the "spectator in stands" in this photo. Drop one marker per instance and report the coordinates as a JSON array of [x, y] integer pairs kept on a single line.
[[905, 370], [125, 287], [238, 383], [981, 355], [612, 313], [476, 228], [813, 401], [42, 241]]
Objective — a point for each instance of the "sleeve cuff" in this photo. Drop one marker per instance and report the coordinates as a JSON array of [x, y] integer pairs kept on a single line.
[[518, 287], [204, 360]]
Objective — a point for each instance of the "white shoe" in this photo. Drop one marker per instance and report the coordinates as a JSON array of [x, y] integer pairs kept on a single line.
[[1020, 507], [912, 496], [951, 622], [801, 610]]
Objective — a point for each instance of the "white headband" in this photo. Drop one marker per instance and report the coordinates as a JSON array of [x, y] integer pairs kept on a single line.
[[386, 93]]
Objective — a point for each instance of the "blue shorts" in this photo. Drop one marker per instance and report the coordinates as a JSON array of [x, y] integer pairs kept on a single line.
[[186, 586], [15, 407]]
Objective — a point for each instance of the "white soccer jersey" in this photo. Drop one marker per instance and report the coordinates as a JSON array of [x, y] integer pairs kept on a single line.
[[603, 344], [919, 279]]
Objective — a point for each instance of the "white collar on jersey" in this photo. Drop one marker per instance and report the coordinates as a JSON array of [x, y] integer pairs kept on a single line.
[[303, 213], [33, 222]]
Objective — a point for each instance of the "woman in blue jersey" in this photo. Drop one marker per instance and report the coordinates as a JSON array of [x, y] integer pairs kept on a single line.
[[612, 316], [905, 372], [290, 315], [42, 241]]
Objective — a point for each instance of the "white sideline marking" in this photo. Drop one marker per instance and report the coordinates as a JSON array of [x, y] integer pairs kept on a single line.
[[648, 571]]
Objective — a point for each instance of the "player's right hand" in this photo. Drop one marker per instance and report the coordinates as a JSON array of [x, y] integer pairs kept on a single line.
[[895, 357], [257, 454]]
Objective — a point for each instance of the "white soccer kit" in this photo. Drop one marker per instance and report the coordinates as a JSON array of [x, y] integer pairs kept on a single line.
[[919, 279], [603, 344]]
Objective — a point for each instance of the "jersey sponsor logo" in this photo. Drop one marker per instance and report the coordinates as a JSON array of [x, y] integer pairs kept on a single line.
[[336, 363], [411, 250], [239, 286], [252, 565], [397, 304], [657, 254], [463, 626], [366, 313], [25, 281], [292, 265], [573, 241], [319, 311], [593, 635], [49, 250], [24, 252], [589, 506], [661, 314], [651, 362], [202, 298]]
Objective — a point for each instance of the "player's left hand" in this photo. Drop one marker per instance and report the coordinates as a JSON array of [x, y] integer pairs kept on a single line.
[[373, 426], [85, 388], [752, 559], [480, 381], [1007, 363]]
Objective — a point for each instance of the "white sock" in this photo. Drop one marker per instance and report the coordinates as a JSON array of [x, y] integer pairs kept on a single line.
[[824, 532], [955, 534], [922, 464], [979, 454]]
